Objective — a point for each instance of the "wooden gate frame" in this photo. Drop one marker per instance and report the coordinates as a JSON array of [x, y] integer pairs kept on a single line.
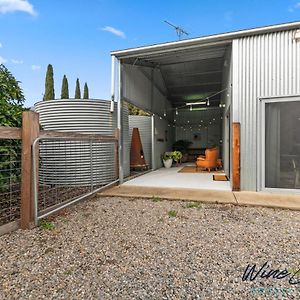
[[30, 132]]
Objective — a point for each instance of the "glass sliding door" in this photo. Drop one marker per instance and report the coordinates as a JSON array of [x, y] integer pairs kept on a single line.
[[282, 144]]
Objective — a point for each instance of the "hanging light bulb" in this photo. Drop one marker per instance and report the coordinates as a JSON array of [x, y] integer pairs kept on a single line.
[[176, 112], [165, 113], [208, 104], [191, 108]]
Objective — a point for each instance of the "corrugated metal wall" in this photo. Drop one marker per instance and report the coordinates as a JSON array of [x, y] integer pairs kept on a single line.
[[140, 88], [143, 123], [126, 140], [263, 66]]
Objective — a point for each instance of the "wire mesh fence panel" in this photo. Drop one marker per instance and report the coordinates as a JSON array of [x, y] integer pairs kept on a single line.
[[10, 180], [69, 169]]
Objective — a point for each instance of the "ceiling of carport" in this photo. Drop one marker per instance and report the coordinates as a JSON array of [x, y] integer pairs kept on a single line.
[[189, 75]]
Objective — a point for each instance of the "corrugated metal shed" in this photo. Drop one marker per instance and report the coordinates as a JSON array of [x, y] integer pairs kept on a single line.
[[203, 41], [264, 65], [264, 62]]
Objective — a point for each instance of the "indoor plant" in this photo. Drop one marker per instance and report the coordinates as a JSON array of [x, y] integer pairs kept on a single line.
[[182, 146], [177, 156], [167, 159]]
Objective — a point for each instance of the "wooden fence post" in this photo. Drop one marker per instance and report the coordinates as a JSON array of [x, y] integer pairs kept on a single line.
[[30, 131], [236, 175]]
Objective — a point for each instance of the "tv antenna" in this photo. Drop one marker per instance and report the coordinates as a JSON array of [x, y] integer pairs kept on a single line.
[[179, 31]]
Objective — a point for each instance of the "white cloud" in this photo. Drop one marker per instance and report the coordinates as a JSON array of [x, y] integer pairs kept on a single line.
[[17, 61], [2, 60], [9, 6], [114, 31], [294, 7], [35, 67], [1, 45]]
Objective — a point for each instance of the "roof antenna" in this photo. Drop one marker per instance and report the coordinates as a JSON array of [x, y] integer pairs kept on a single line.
[[179, 31]]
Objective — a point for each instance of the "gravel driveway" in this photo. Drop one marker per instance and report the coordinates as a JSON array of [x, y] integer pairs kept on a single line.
[[112, 248]]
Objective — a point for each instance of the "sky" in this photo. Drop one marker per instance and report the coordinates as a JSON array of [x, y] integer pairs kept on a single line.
[[76, 36]]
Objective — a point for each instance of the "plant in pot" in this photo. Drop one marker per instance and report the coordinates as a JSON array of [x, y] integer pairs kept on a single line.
[[167, 159], [182, 146], [177, 156]]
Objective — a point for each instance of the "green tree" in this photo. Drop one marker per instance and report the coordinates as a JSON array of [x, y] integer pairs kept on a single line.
[[77, 90], [49, 84], [86, 91], [11, 99], [64, 88], [133, 110], [11, 108]]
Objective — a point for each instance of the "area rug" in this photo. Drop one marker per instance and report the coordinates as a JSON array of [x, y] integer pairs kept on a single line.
[[220, 178], [192, 169]]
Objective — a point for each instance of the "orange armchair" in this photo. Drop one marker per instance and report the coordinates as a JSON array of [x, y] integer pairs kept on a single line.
[[209, 161]]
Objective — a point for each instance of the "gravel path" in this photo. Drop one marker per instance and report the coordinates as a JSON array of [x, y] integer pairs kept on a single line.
[[112, 248]]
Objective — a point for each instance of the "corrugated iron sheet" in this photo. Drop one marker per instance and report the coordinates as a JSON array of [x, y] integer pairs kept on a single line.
[[266, 65]]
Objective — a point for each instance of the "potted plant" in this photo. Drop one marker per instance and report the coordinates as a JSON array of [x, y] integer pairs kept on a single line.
[[177, 156], [167, 159], [182, 146]]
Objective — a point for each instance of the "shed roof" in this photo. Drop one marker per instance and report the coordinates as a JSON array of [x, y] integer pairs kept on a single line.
[[210, 39]]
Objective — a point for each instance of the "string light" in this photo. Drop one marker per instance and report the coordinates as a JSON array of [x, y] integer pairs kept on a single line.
[[176, 111], [208, 104]]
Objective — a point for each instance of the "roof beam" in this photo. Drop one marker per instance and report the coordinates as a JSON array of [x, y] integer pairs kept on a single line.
[[194, 85], [192, 73]]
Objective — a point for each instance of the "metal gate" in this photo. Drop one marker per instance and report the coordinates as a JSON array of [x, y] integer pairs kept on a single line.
[[71, 167]]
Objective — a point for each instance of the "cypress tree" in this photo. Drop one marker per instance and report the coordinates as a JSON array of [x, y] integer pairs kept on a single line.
[[77, 90], [64, 88], [49, 84], [86, 91]]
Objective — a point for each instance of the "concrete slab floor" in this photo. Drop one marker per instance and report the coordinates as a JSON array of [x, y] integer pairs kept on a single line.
[[170, 178], [283, 201], [187, 194]]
